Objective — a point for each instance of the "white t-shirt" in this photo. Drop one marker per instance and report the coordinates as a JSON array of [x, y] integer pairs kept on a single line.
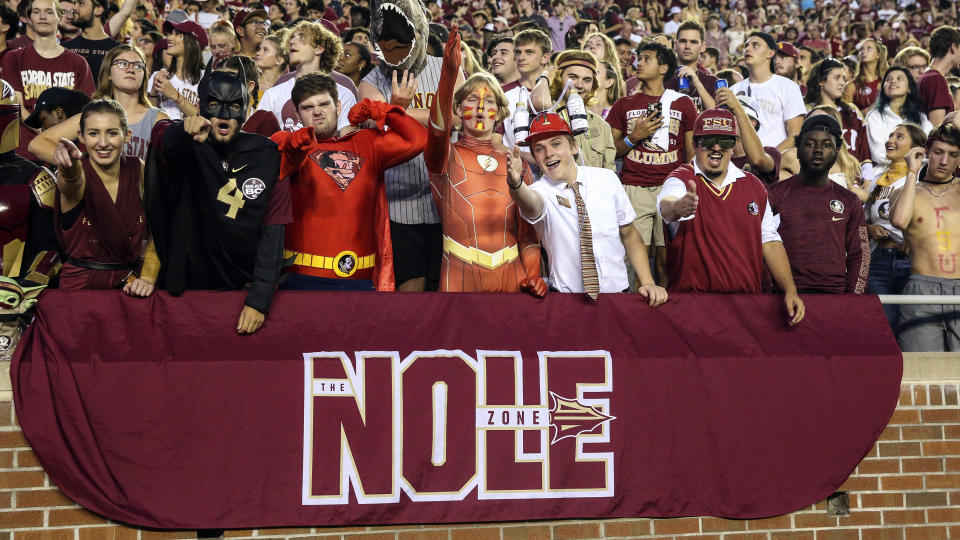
[[776, 101], [277, 100], [880, 126], [169, 106], [559, 228], [671, 27]]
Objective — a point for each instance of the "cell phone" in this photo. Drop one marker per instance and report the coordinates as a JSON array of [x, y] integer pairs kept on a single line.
[[654, 108]]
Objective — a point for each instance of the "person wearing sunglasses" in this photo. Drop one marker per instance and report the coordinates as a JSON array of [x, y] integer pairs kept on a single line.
[[721, 227]]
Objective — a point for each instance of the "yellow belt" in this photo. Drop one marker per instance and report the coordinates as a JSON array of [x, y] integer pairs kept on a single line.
[[344, 264], [478, 256]]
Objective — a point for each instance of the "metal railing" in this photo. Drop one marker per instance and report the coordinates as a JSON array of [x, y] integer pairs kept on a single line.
[[915, 299]]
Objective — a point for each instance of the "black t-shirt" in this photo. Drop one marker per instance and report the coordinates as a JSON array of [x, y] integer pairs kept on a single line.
[[92, 51]]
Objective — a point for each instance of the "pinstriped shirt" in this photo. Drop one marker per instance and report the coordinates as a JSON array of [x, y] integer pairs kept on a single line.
[[408, 184]]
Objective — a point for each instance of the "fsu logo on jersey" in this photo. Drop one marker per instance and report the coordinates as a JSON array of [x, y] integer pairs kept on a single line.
[[381, 426], [753, 208], [340, 165], [836, 206]]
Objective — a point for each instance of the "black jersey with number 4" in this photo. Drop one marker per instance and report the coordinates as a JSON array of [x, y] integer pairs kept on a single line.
[[207, 204]]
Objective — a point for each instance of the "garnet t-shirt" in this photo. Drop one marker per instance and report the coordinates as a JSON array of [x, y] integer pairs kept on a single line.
[[934, 91], [29, 73]]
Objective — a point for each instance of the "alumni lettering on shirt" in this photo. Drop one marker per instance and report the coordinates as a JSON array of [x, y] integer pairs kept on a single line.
[[36, 81], [645, 153]]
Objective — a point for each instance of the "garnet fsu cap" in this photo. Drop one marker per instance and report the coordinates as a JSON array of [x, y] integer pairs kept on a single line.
[[548, 124], [714, 121], [187, 27], [787, 49]]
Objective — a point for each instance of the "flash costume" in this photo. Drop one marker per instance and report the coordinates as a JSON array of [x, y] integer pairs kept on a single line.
[[486, 246]]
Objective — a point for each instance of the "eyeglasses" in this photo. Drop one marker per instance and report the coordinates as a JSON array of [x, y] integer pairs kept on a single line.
[[70, 13], [725, 143], [917, 66], [125, 64]]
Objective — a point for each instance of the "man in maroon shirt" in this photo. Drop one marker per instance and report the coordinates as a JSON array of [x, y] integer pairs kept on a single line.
[[722, 236], [653, 132], [945, 50], [700, 85], [821, 224], [45, 63]]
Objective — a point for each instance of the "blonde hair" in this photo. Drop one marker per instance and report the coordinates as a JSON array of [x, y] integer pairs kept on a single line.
[[470, 63], [479, 79], [321, 37], [848, 164], [609, 49], [881, 69]]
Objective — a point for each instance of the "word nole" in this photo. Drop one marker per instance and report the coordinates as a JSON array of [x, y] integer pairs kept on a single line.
[[439, 425]]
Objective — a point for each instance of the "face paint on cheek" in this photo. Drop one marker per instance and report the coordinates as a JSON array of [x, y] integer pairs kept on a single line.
[[492, 115], [468, 113]]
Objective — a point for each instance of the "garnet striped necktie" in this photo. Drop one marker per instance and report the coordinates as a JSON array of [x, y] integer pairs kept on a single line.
[[588, 266]]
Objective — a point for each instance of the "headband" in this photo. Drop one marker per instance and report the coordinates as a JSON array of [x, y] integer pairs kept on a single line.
[[577, 62]]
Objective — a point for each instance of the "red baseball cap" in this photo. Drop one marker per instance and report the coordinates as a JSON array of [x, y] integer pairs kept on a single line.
[[241, 17], [714, 121], [787, 49], [187, 27], [546, 125]]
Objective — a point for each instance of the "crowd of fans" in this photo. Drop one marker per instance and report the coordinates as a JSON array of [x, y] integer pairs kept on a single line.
[[723, 146]]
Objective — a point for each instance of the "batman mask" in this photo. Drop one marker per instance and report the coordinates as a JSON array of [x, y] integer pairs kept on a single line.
[[223, 95]]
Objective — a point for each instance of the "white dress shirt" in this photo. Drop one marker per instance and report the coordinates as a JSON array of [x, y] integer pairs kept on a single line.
[[609, 209]]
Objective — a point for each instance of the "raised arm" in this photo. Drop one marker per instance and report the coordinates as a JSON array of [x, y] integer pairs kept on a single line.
[[529, 201], [756, 155], [902, 201], [120, 17], [441, 111], [46, 143]]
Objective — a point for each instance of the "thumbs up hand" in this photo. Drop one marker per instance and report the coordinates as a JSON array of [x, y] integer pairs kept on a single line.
[[687, 205]]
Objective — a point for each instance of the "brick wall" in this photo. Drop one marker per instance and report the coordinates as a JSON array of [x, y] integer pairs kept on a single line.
[[907, 488]]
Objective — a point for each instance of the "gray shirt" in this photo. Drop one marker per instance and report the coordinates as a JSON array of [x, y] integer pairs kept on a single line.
[[408, 184]]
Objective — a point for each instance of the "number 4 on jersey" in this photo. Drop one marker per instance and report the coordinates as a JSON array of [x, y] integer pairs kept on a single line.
[[231, 195]]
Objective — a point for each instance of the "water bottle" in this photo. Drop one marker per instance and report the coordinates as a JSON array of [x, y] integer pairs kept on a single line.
[[578, 113], [684, 83], [521, 123]]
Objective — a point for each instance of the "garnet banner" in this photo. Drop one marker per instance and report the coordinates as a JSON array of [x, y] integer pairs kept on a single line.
[[375, 408]]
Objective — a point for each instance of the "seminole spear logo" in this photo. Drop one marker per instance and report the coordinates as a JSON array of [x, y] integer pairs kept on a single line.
[[570, 418]]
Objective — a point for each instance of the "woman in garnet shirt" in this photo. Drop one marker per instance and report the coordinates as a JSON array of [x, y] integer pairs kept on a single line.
[[864, 89]]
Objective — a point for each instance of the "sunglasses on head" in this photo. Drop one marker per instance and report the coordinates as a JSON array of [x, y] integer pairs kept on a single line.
[[725, 143]]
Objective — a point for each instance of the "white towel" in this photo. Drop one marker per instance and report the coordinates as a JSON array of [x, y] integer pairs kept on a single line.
[[661, 137]]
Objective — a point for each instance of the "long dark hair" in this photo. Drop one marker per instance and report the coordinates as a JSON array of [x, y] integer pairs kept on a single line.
[[192, 59], [818, 74], [912, 110]]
